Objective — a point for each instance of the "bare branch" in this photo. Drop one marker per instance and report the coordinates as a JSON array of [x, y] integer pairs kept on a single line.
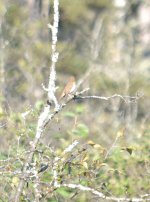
[[125, 98], [44, 116], [54, 56], [70, 147], [100, 194]]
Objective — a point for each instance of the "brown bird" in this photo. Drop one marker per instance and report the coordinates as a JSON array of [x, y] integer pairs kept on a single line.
[[69, 88]]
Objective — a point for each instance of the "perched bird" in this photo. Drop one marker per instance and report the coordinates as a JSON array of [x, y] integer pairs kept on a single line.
[[69, 88]]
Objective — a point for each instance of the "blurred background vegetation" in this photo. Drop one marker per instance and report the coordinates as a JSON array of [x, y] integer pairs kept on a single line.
[[112, 39]]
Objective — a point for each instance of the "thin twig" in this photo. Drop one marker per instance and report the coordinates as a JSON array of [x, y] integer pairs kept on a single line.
[[125, 98]]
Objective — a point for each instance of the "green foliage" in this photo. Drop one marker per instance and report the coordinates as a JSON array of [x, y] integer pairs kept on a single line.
[[39, 105], [125, 171], [65, 193], [100, 3], [74, 63], [81, 130], [69, 114], [73, 11]]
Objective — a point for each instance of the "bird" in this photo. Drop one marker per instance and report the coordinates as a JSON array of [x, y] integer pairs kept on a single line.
[[69, 88]]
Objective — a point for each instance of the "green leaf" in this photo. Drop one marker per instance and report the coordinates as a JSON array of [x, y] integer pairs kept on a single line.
[[16, 117], [81, 130], [69, 114], [39, 104], [79, 109], [64, 192], [128, 149]]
